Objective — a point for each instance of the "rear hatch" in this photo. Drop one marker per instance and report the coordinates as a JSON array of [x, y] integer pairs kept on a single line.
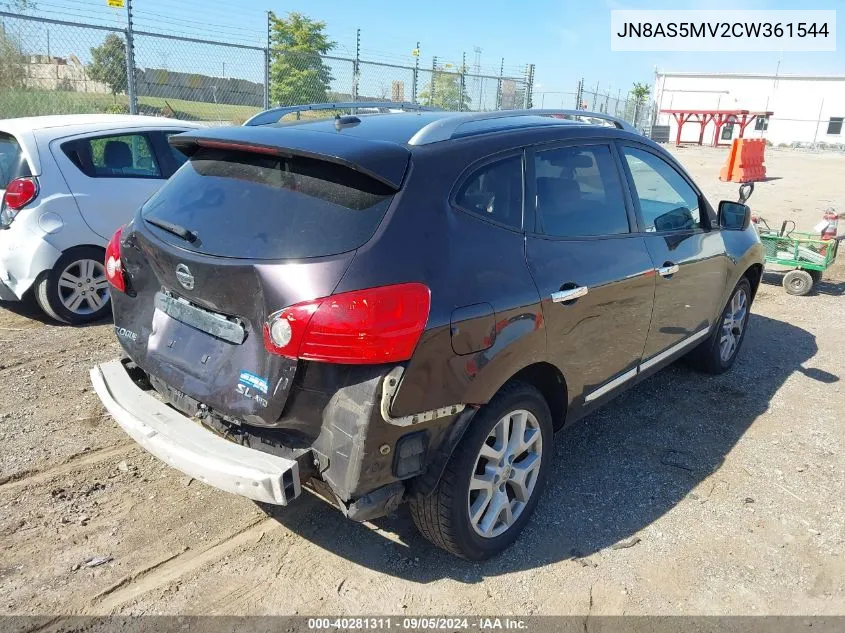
[[241, 231]]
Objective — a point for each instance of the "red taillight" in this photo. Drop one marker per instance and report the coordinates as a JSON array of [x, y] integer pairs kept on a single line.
[[377, 325], [20, 192], [114, 267]]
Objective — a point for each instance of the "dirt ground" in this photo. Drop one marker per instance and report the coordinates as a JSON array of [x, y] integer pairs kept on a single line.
[[687, 495]]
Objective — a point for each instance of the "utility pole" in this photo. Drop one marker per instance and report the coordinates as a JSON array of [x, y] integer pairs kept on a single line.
[[130, 61]]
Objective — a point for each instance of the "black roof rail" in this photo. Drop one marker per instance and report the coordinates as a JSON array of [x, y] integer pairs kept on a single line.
[[274, 114], [446, 128]]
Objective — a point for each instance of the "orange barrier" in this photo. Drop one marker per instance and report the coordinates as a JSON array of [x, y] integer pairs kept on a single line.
[[745, 161]]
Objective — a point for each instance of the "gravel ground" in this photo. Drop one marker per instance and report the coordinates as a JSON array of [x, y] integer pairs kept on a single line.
[[688, 494]]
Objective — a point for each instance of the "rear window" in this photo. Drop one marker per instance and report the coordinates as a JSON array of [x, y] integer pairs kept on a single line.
[[12, 162], [243, 204]]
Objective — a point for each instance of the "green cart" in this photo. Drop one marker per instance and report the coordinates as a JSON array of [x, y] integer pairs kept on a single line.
[[805, 253]]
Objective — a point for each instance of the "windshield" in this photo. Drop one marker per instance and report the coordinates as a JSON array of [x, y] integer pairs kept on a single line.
[[258, 206]]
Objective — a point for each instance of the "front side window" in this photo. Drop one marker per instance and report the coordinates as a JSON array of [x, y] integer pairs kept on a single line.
[[121, 156], [495, 192], [667, 201], [579, 193]]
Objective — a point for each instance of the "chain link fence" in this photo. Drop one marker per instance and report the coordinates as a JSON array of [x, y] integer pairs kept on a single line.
[[639, 112], [53, 66]]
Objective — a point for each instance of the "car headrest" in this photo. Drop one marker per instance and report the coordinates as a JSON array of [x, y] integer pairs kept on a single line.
[[573, 161], [117, 155]]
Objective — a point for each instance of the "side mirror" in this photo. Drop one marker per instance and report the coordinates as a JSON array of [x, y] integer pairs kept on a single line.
[[745, 192], [734, 215]]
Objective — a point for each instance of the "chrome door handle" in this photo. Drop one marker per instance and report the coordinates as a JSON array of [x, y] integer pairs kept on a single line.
[[569, 295], [668, 271]]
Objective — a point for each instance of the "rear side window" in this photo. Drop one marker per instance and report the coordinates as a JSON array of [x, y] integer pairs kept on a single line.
[[495, 192], [579, 192], [12, 162], [178, 157], [256, 206], [120, 156]]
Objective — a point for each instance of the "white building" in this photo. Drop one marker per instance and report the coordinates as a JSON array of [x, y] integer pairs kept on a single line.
[[806, 109]]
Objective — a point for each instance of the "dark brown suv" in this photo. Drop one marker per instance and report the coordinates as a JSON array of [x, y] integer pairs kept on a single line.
[[406, 306]]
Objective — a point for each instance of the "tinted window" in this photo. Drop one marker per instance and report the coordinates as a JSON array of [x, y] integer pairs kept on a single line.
[[12, 162], [667, 201], [495, 192], [834, 126], [579, 192], [121, 156], [268, 207], [178, 157]]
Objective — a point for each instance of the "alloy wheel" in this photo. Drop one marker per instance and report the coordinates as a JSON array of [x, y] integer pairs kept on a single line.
[[505, 473], [733, 322], [83, 286]]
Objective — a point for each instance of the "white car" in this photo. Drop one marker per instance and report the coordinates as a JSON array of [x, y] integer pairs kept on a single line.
[[67, 183]]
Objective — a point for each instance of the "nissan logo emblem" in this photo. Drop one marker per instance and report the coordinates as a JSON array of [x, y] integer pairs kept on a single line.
[[183, 274]]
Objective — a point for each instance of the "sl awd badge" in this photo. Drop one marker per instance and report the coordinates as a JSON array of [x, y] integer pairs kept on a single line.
[[184, 276]]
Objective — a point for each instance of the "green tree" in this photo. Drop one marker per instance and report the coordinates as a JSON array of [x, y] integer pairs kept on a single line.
[[108, 63], [444, 92], [11, 69], [298, 73], [639, 95]]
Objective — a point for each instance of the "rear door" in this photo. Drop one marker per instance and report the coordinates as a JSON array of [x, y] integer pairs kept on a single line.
[[111, 175], [595, 276], [688, 254]]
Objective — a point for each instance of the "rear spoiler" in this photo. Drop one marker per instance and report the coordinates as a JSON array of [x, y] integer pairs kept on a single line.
[[381, 160]]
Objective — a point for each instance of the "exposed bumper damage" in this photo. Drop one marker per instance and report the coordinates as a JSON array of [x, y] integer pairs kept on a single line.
[[333, 436]]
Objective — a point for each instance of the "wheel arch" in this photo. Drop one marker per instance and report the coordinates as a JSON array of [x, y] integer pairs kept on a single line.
[[754, 274], [551, 383]]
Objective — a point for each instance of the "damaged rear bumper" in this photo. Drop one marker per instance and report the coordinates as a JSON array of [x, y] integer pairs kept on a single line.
[[191, 448]]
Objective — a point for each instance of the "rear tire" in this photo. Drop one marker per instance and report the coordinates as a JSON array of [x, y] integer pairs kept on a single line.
[[718, 352], [798, 282], [511, 478], [75, 291]]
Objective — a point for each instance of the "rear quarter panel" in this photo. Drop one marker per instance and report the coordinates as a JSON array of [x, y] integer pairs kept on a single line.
[[465, 261]]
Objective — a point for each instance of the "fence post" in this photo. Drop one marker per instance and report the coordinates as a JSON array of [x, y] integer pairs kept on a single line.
[[463, 84], [356, 67], [416, 74], [433, 74], [529, 90], [499, 86], [580, 94], [267, 65], [130, 62]]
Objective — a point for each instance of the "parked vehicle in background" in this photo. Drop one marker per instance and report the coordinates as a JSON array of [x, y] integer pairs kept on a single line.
[[406, 306], [66, 183]]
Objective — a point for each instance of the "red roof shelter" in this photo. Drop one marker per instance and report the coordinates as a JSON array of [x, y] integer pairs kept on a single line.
[[718, 117]]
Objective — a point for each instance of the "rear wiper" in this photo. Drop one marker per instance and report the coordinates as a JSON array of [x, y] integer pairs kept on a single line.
[[175, 229]]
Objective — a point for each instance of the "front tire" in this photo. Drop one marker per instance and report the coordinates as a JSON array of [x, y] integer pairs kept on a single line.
[[76, 290], [494, 479], [718, 353]]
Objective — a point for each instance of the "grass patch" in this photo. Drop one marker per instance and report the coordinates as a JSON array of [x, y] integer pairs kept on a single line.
[[19, 103]]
